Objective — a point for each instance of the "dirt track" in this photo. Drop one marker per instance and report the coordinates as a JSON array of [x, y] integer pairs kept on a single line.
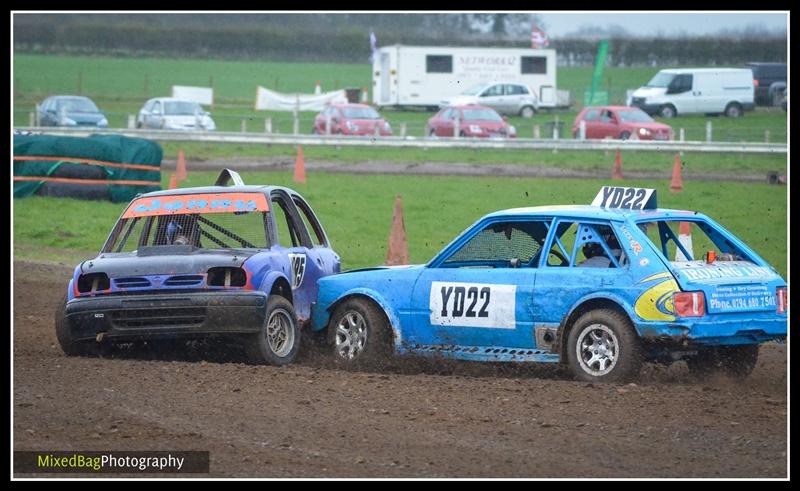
[[421, 420]]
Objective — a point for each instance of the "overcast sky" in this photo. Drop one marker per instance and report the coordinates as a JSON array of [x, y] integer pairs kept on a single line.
[[559, 24]]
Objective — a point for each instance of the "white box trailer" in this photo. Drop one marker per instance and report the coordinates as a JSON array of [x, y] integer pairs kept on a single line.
[[425, 75]]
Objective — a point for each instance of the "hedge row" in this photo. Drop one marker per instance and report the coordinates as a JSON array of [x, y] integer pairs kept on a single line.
[[283, 44]]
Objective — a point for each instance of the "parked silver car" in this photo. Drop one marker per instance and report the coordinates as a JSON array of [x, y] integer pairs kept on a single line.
[[167, 113], [70, 110], [505, 98]]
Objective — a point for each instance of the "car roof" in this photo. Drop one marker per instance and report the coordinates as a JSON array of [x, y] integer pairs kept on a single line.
[[471, 106], [69, 97], [172, 99], [591, 212], [704, 70], [615, 108], [350, 104], [248, 188]]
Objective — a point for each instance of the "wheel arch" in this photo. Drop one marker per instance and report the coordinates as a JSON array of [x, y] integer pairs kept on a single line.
[[376, 298], [276, 283], [587, 304]]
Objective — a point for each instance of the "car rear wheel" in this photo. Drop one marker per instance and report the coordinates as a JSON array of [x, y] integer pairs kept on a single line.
[[279, 338], [527, 112], [359, 333], [602, 346], [733, 110], [668, 111]]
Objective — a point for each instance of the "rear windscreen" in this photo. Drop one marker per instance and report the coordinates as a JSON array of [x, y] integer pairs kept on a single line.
[[690, 241]]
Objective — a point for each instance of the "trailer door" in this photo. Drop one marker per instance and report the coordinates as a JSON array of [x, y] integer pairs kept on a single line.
[[385, 79]]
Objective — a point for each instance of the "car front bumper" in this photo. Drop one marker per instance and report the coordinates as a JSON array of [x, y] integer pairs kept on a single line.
[[166, 315]]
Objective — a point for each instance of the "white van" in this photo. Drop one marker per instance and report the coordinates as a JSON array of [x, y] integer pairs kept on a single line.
[[671, 92]]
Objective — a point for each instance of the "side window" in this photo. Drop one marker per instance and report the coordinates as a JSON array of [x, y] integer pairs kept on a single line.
[[493, 91], [585, 245], [592, 115], [681, 83], [501, 245], [439, 64], [533, 64], [157, 107], [606, 117], [311, 222], [446, 113], [290, 233]]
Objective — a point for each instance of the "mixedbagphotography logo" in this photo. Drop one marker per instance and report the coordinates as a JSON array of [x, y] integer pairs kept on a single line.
[[73, 461]]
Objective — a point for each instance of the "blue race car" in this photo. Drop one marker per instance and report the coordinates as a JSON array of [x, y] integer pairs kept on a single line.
[[230, 261], [602, 288]]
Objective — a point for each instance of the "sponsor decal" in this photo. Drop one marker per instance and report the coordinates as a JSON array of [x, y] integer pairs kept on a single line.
[[644, 262], [473, 305], [197, 204], [655, 303], [742, 297], [298, 269]]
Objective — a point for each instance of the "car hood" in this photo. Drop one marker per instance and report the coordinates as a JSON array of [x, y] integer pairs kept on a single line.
[[86, 117], [651, 126], [485, 124], [184, 118], [649, 92], [460, 100], [165, 260]]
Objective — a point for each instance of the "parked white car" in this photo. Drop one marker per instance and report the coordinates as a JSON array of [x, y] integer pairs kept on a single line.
[[505, 98], [168, 113], [672, 92]]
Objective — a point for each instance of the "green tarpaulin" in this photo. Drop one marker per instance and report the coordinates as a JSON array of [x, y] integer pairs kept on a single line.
[[129, 165]]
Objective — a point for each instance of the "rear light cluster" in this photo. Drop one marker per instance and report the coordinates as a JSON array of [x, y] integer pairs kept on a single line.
[[93, 282], [689, 304], [783, 299]]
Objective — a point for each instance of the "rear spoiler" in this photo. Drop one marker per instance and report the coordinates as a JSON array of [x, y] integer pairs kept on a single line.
[[227, 176]]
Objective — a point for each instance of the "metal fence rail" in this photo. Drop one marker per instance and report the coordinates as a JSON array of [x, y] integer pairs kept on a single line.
[[420, 142]]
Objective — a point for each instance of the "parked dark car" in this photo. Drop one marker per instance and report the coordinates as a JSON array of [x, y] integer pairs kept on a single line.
[[769, 80], [70, 110]]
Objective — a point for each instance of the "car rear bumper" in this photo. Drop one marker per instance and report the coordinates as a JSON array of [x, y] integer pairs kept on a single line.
[[166, 315], [719, 332]]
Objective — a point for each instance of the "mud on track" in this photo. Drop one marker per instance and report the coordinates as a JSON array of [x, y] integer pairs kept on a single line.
[[420, 419]]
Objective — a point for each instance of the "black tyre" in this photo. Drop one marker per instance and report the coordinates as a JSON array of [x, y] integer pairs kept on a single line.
[[279, 339], [527, 112], [734, 110], [624, 135], [603, 346], [359, 334], [70, 346], [668, 111]]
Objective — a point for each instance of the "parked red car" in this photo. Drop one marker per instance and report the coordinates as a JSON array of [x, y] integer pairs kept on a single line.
[[474, 121], [351, 119], [621, 122]]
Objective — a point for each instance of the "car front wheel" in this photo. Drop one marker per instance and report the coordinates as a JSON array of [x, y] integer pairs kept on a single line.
[[603, 346], [70, 346], [278, 340], [668, 111], [359, 333]]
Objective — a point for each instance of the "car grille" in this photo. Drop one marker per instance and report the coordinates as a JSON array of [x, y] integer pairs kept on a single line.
[[637, 101], [159, 317], [132, 282], [184, 280]]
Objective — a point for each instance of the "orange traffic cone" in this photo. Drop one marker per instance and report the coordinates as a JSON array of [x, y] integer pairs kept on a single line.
[[299, 166], [398, 245], [677, 181], [685, 238], [173, 182], [181, 168], [616, 174]]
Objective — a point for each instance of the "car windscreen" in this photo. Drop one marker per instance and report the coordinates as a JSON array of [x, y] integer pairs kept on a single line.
[[181, 108], [634, 117], [475, 89], [481, 114], [360, 113], [235, 220], [77, 106], [662, 79]]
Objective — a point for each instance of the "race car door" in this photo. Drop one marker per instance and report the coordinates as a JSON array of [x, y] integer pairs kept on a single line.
[[479, 291]]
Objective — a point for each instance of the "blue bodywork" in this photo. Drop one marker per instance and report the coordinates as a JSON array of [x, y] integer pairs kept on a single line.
[[521, 312], [166, 290]]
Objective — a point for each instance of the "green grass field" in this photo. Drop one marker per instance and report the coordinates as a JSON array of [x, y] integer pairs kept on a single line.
[[356, 212], [121, 85]]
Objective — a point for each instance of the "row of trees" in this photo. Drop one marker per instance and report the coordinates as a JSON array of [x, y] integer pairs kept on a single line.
[[344, 37]]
